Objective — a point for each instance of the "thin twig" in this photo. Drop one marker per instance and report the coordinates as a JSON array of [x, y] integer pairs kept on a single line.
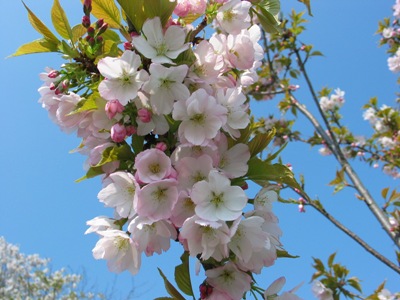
[[200, 27], [337, 151], [356, 238]]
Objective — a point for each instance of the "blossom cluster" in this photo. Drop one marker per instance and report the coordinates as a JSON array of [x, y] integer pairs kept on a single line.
[[181, 176]]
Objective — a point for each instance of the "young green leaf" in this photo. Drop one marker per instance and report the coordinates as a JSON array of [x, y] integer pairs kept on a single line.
[[307, 3], [39, 26], [260, 142], [85, 105], [182, 275], [38, 46], [284, 253], [170, 288], [77, 32], [107, 10], [60, 21]]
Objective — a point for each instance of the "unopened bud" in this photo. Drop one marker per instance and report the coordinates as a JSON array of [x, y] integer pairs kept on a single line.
[[118, 133], [91, 31], [99, 23], [245, 186], [113, 107], [52, 86], [103, 28], [130, 130], [53, 74], [87, 7], [161, 146], [91, 41], [205, 290], [128, 46], [65, 84], [86, 21], [99, 39], [144, 115]]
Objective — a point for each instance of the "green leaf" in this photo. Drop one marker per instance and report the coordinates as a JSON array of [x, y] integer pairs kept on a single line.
[[139, 11], [85, 105], [107, 10], [92, 172], [137, 143], [262, 172], [37, 46], [39, 26], [331, 259], [170, 288], [318, 265], [77, 32], [114, 153], [182, 275], [355, 283], [284, 253], [269, 15], [67, 49], [60, 21], [260, 142], [307, 3], [275, 155], [111, 35]]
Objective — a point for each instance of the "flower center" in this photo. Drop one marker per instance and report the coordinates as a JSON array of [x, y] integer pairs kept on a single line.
[[155, 168], [217, 200], [121, 243], [198, 118], [161, 49]]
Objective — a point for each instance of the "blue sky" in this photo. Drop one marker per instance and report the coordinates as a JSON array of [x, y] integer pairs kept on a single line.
[[44, 210]]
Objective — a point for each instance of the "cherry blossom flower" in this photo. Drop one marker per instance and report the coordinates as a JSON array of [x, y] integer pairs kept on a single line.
[[228, 279], [321, 292], [264, 199], [238, 118], [183, 209], [191, 170], [272, 291], [120, 192], [158, 46], [120, 252], [152, 236], [122, 78], [165, 87], [207, 238], [216, 199], [152, 165], [233, 16], [202, 117], [157, 199], [100, 223], [247, 237]]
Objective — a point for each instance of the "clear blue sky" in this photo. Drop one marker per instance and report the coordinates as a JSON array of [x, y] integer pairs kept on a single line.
[[44, 211]]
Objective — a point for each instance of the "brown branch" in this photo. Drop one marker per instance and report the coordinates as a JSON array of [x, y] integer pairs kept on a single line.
[[200, 27]]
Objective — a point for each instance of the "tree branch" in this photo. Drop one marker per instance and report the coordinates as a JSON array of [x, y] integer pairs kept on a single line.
[[337, 151], [356, 238]]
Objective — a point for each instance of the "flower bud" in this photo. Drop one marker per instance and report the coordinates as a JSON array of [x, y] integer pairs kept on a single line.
[[86, 21], [161, 146], [87, 7], [128, 46], [130, 130], [91, 41], [118, 133], [144, 115], [113, 107], [99, 39], [205, 290], [91, 31], [53, 74], [103, 28], [99, 23]]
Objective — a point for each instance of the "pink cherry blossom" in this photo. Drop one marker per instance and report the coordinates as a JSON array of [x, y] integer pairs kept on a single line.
[[183, 209], [100, 223], [207, 238], [202, 117], [165, 87], [157, 199], [233, 16], [152, 165], [191, 170], [118, 133], [152, 236], [272, 291], [158, 46], [120, 192], [121, 254], [122, 78], [216, 199], [230, 280], [113, 108]]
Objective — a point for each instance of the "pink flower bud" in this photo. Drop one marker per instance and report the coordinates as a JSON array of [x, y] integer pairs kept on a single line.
[[205, 290], [99, 39], [87, 7], [130, 130], [144, 115], [90, 31], [118, 133], [103, 28], [52, 86], [99, 23], [53, 74], [128, 46], [301, 208], [91, 41], [86, 21], [113, 107], [65, 84], [161, 146], [245, 186]]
